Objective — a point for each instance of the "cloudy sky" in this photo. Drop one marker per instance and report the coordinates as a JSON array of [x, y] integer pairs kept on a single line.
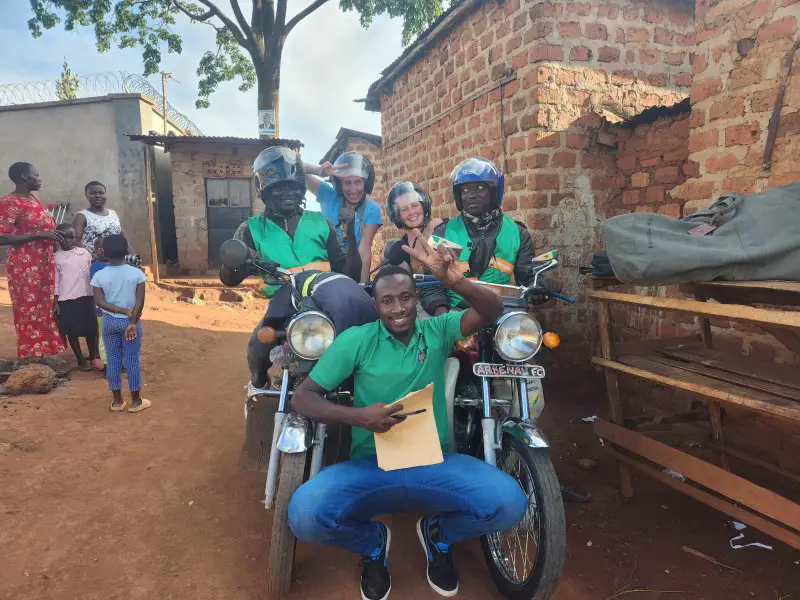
[[329, 60]]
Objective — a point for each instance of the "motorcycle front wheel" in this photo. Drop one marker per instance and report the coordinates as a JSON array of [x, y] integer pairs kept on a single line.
[[282, 541], [526, 562]]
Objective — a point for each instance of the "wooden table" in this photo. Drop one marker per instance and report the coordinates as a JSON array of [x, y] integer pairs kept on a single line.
[[691, 363]]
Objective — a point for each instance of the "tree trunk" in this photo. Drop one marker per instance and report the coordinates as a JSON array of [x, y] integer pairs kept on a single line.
[[268, 74]]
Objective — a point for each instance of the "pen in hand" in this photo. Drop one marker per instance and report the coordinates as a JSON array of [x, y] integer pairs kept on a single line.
[[408, 414]]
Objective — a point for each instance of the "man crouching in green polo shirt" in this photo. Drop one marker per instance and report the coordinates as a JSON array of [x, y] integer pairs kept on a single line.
[[463, 496]]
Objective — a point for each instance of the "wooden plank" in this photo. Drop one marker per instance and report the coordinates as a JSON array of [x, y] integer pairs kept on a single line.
[[787, 337], [783, 375], [612, 389], [737, 312], [692, 362], [645, 346], [786, 293], [734, 487], [715, 423], [779, 408], [738, 513], [756, 461]]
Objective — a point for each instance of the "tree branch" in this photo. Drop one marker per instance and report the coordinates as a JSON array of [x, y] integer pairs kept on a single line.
[[280, 17], [303, 14], [237, 11], [202, 18], [215, 11]]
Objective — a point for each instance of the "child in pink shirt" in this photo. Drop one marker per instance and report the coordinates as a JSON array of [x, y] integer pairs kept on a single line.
[[74, 298]]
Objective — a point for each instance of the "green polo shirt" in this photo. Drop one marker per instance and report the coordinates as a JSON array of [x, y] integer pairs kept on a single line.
[[384, 369]]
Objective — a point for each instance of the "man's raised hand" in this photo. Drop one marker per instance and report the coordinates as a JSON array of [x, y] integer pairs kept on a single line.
[[441, 262]]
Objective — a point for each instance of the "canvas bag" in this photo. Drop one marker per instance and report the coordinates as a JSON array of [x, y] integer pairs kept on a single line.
[[756, 237]]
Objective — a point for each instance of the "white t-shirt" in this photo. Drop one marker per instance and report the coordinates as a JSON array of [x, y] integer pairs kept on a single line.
[[99, 226], [118, 283]]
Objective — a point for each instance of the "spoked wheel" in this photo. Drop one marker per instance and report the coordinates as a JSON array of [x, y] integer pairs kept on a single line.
[[526, 562], [282, 541]]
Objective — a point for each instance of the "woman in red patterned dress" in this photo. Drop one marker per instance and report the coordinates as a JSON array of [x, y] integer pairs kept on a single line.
[[30, 231]]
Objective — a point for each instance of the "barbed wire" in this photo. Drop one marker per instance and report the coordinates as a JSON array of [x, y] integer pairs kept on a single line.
[[92, 86]]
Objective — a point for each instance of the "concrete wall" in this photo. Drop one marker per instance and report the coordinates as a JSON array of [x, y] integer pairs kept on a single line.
[[71, 143], [190, 168], [527, 84]]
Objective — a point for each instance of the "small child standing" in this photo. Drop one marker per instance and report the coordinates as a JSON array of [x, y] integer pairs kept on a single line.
[[73, 296], [119, 292]]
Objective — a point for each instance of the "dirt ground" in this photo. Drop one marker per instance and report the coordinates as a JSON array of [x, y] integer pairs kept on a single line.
[[99, 505]]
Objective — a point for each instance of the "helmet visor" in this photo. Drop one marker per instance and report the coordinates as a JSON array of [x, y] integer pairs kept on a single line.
[[274, 165], [407, 204], [351, 164]]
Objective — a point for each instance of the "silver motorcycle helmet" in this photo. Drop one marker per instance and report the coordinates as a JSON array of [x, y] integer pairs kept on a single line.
[[354, 164], [277, 165]]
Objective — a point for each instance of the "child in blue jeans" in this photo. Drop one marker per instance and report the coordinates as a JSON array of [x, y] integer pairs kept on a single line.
[[119, 292]]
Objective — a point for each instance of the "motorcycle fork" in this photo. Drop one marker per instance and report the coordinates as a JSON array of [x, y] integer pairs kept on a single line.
[[319, 449], [488, 424], [274, 453]]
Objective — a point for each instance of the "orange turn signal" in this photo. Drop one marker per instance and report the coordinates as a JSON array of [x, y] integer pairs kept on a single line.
[[466, 344], [551, 340], [267, 335]]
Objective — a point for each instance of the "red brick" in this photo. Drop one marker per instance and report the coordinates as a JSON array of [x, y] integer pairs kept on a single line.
[[658, 79], [546, 95], [687, 39], [577, 141], [594, 77], [649, 161], [721, 162], [541, 52], [569, 29], [649, 56], [637, 34], [627, 163], [764, 100], [781, 28], [674, 58], [682, 80], [653, 16], [543, 74], [596, 31], [630, 13], [705, 88], [535, 200], [564, 159], [608, 11], [663, 36], [699, 63], [514, 43], [701, 141], [789, 124], [579, 8], [621, 34], [697, 118], [539, 30], [742, 185], [608, 54], [631, 197], [622, 78], [537, 119], [540, 220], [517, 144], [727, 109], [580, 54], [743, 76], [592, 161], [705, 32], [654, 194], [691, 169], [667, 175], [697, 190], [546, 10], [640, 179], [671, 210], [603, 183], [544, 139], [519, 60], [747, 133], [566, 77]]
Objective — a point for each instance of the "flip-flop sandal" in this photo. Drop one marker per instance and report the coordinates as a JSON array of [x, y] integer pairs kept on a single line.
[[143, 406], [85, 368], [119, 407], [97, 364]]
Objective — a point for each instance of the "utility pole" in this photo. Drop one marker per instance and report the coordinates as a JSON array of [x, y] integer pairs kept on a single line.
[[164, 77]]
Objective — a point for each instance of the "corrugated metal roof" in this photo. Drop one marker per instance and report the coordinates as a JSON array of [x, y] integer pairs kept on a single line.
[[176, 140]]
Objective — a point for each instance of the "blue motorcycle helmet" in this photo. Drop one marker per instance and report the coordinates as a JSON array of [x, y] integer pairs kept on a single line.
[[477, 170]]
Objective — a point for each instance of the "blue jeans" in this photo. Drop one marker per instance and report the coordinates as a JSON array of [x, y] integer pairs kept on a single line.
[[336, 507]]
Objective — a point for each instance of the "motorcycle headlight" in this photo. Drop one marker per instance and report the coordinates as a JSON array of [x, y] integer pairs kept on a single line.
[[309, 334], [518, 336]]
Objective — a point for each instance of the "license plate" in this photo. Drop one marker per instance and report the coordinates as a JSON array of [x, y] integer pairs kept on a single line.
[[501, 370]]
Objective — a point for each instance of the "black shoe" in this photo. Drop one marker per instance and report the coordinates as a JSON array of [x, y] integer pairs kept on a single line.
[[569, 494], [442, 575], [375, 581]]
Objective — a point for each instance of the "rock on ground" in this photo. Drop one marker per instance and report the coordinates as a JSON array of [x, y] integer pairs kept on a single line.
[[59, 365], [32, 379]]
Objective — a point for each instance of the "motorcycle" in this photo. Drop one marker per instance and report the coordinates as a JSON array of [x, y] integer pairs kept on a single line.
[[494, 396], [489, 400]]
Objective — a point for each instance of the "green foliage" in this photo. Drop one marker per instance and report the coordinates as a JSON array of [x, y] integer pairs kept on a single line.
[[149, 24], [67, 85], [416, 14]]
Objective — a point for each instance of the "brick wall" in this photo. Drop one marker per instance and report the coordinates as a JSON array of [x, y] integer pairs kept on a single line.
[[651, 161], [737, 65], [190, 168], [527, 84]]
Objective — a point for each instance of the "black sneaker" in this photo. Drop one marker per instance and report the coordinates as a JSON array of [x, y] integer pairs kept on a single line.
[[375, 580], [442, 575]]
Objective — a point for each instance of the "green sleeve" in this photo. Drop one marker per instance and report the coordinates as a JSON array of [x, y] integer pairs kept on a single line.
[[448, 326], [338, 362]]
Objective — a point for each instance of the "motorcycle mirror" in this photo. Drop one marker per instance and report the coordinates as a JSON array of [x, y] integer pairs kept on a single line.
[[387, 249], [234, 254]]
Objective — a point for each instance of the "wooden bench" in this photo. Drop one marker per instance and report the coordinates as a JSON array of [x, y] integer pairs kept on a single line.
[[691, 363]]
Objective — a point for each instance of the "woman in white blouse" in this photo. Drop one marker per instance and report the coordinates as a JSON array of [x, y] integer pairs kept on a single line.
[[97, 220]]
